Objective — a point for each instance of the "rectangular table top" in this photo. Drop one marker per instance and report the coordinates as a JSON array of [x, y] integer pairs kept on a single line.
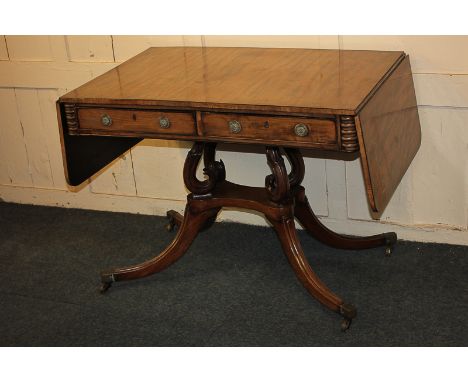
[[341, 101], [281, 80]]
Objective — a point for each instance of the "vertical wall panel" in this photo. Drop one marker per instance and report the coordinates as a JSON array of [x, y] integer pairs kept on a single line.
[[158, 166], [12, 143], [441, 90], [4, 176], [117, 179], [249, 168], [29, 48], [336, 189], [90, 48], [47, 98], [58, 48], [315, 183], [399, 208], [3, 48], [357, 204], [440, 167], [34, 137]]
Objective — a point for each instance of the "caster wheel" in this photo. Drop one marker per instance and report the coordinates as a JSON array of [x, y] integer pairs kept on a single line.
[[345, 324], [104, 287], [388, 251]]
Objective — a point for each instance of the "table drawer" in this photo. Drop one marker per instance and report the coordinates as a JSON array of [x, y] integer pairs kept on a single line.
[[136, 121], [310, 131]]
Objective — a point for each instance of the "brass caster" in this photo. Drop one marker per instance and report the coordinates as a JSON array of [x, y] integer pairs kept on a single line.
[[106, 281], [174, 219], [170, 226], [348, 312], [390, 240], [345, 324], [104, 287]]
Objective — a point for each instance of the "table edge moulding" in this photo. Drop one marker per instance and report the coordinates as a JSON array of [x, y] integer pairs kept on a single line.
[[338, 104]]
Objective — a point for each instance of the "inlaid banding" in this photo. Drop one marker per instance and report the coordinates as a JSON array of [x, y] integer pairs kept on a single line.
[[349, 139]]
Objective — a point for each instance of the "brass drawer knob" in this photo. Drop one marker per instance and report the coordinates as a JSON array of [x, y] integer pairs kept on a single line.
[[301, 130], [106, 120], [235, 127], [164, 123]]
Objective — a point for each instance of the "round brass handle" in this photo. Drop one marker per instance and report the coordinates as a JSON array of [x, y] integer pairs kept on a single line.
[[301, 130], [235, 127], [106, 120], [164, 122]]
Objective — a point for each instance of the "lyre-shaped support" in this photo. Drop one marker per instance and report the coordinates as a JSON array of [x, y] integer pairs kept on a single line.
[[214, 170], [277, 183], [296, 176]]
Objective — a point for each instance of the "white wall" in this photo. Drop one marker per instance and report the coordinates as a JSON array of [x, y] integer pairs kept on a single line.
[[431, 203]]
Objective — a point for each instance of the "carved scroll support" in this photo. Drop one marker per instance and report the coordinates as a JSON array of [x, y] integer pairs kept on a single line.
[[296, 176], [277, 183], [214, 170]]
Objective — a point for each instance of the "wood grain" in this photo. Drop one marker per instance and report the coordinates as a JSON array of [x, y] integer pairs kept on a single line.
[[389, 134], [322, 132], [135, 121], [286, 80], [348, 100]]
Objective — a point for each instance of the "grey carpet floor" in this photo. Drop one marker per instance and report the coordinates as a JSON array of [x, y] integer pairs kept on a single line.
[[234, 287]]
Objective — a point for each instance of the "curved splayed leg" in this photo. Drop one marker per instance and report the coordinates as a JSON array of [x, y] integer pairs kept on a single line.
[[287, 234], [312, 224], [189, 229]]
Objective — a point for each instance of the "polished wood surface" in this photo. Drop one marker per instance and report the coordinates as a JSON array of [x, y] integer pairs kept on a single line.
[[272, 129], [348, 101], [390, 135], [285, 80], [135, 122]]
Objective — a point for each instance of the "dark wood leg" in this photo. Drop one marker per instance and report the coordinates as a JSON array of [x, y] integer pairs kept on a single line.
[[286, 230], [287, 234], [213, 169], [312, 224], [191, 225], [176, 219], [282, 199]]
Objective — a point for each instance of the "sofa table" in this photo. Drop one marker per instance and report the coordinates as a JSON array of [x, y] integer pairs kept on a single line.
[[339, 104]]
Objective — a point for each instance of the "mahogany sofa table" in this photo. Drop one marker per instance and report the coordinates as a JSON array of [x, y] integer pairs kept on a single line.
[[339, 104]]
